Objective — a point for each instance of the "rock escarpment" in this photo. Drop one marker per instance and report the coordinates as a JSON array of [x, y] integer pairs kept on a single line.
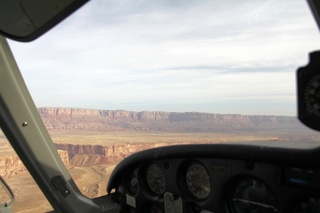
[[91, 155], [80, 156], [11, 165], [119, 120]]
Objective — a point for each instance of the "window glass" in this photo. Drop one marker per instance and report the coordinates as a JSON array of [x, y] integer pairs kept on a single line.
[[118, 77]]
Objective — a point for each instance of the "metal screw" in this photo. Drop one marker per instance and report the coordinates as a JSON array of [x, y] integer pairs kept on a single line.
[[24, 124]]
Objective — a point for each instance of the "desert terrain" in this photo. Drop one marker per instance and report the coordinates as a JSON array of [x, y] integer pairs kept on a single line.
[[92, 179], [92, 142]]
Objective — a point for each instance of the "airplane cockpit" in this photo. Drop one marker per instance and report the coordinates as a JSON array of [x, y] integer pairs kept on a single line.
[[238, 177]]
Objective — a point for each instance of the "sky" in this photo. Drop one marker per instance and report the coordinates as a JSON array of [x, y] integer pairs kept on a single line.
[[229, 57]]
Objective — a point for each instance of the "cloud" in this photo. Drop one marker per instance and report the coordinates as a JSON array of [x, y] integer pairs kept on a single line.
[[181, 55]]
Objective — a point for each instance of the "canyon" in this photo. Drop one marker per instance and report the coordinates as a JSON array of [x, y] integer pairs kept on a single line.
[[91, 142], [121, 120], [69, 126]]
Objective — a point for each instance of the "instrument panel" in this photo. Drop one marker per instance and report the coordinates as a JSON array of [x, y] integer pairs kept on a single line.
[[212, 184]]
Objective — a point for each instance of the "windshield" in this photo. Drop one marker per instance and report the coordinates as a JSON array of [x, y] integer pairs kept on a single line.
[[118, 77], [205, 56]]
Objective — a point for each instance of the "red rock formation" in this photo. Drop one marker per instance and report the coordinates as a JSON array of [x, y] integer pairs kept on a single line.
[[11, 165], [106, 120], [88, 155]]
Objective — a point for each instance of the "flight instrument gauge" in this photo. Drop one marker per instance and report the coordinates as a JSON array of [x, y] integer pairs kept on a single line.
[[251, 195], [312, 96], [308, 79], [155, 179], [198, 181]]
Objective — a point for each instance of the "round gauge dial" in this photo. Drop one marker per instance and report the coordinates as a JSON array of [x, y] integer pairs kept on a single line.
[[132, 184], [252, 195], [155, 179], [312, 96], [198, 181]]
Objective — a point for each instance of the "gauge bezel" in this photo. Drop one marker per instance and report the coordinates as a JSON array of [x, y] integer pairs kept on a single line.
[[236, 182], [146, 183], [183, 181], [130, 189]]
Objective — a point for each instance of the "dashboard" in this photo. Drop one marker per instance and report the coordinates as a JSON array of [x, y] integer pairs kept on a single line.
[[213, 178]]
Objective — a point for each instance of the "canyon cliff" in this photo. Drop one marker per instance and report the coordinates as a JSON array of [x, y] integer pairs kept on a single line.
[[11, 165], [83, 155], [121, 120], [73, 155], [91, 155]]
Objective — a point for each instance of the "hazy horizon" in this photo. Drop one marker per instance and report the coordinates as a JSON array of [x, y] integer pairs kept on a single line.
[[206, 56], [102, 109]]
